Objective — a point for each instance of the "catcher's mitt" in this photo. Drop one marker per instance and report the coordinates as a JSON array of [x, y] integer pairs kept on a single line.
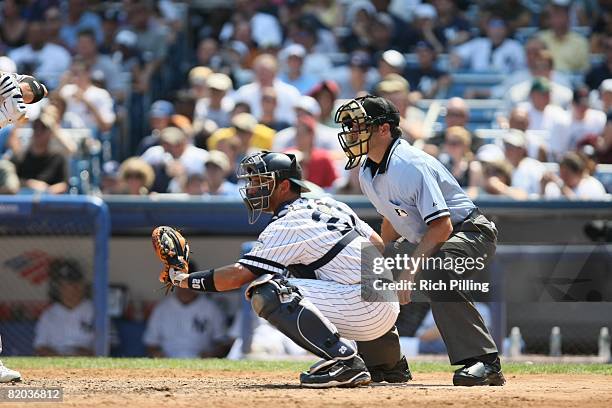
[[173, 250]]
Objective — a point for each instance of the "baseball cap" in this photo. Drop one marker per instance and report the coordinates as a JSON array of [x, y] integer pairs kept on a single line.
[[172, 135], [293, 50], [244, 121], [218, 81], [199, 75], [219, 159], [375, 107], [561, 3], [126, 38], [425, 11], [65, 269], [515, 137], [606, 85], [540, 84], [308, 104], [360, 59], [394, 58], [393, 83], [161, 109], [327, 84]]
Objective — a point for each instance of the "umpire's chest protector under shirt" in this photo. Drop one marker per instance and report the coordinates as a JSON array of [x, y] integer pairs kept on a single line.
[[411, 188]]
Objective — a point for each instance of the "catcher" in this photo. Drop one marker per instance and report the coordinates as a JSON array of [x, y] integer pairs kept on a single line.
[[15, 92], [320, 243]]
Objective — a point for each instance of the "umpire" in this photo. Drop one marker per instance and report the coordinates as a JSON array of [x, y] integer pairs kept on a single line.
[[421, 202]]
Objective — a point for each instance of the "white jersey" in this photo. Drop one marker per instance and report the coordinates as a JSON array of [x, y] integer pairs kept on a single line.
[[200, 326], [303, 232], [66, 330]]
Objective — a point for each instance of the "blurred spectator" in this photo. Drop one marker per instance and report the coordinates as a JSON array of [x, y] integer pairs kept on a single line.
[[136, 177], [585, 121], [207, 54], [9, 142], [497, 176], [109, 178], [293, 58], [9, 181], [93, 104], [110, 27], [514, 12], [87, 51], [450, 22], [151, 41], [316, 63], [602, 27], [44, 60], [78, 19], [391, 62], [265, 29], [605, 95], [456, 154], [354, 78], [533, 52], [359, 17], [348, 184], [174, 159], [53, 25], [186, 325], [602, 144], [396, 89], [217, 105], [160, 117], [14, 26], [326, 93], [266, 69], [603, 70], [268, 110], [197, 77], [317, 164], [457, 114], [570, 50], [251, 136], [560, 94], [381, 34], [67, 326], [543, 115], [403, 34], [425, 21], [218, 167], [495, 52], [326, 137], [573, 181], [426, 78], [527, 172], [128, 58], [295, 16], [235, 54], [41, 168]]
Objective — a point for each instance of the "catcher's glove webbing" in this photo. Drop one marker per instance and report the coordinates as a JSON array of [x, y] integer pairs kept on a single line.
[[173, 250]]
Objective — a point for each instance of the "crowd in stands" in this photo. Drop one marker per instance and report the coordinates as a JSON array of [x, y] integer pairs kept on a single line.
[[148, 97]]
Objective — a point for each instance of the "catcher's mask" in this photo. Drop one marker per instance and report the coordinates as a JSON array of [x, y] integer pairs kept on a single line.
[[261, 172], [357, 118]]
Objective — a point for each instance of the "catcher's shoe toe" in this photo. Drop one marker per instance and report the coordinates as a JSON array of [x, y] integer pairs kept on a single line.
[[8, 375], [399, 373], [345, 374], [479, 373]]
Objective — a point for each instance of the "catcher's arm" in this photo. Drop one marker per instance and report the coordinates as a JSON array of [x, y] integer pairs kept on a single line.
[[173, 250]]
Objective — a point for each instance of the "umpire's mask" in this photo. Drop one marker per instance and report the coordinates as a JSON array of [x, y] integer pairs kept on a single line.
[[357, 118], [261, 171]]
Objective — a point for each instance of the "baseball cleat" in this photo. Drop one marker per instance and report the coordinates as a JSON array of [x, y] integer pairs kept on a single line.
[[345, 374], [479, 373], [399, 373], [8, 375]]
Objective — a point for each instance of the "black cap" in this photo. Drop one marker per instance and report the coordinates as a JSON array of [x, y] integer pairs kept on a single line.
[[65, 269], [381, 110], [286, 167], [360, 59], [425, 45]]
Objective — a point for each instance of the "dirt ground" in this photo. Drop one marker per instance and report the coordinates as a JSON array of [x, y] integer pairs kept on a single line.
[[199, 388]]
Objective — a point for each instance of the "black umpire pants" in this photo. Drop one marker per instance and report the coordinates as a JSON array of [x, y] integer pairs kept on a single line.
[[461, 325]]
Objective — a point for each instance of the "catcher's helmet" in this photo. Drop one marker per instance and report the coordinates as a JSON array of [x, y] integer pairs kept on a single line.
[[262, 171], [357, 118]]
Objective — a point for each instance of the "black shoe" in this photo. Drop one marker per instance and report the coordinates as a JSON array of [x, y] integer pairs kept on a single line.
[[479, 373], [399, 373], [336, 373]]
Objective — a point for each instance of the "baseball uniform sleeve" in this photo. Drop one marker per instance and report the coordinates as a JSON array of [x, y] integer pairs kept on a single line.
[[153, 335], [277, 247], [42, 331], [428, 197]]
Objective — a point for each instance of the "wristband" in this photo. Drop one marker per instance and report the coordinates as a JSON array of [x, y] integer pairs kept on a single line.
[[203, 281]]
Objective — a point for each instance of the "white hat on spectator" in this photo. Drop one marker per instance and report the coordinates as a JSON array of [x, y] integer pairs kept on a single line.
[[516, 138], [7, 65], [309, 104], [562, 3], [606, 85], [219, 81], [244, 121], [490, 153], [127, 38], [293, 50], [219, 159], [172, 135], [199, 75], [394, 58], [425, 11]]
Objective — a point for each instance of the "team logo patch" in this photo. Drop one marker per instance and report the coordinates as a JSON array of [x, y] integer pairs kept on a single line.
[[400, 212]]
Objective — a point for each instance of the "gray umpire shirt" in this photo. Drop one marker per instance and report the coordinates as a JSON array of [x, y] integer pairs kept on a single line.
[[411, 188]]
